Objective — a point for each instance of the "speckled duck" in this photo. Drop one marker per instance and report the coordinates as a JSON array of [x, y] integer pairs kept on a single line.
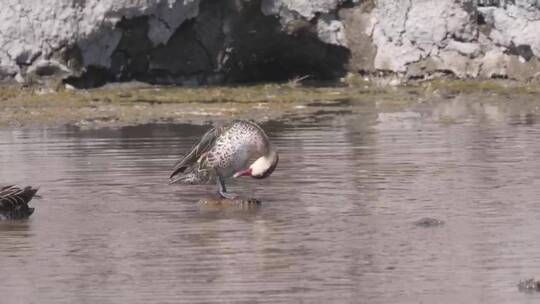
[[240, 148], [14, 202]]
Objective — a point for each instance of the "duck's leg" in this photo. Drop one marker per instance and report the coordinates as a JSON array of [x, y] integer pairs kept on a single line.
[[223, 191]]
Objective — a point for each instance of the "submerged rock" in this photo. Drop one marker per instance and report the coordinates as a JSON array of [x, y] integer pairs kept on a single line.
[[529, 285], [428, 222]]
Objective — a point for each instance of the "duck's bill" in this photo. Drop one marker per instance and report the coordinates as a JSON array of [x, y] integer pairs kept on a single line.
[[246, 172]]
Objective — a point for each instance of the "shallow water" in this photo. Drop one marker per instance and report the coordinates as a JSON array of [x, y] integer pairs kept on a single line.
[[336, 224]]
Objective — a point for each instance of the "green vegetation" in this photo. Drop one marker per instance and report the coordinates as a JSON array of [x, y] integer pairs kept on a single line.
[[493, 86]]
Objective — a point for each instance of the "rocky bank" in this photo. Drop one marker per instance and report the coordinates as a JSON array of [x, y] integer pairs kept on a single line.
[[87, 43]]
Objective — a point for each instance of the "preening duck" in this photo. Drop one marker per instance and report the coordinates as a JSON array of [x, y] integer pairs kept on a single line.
[[240, 148]]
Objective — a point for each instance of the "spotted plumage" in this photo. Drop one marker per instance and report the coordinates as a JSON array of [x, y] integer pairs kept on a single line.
[[14, 202], [226, 151]]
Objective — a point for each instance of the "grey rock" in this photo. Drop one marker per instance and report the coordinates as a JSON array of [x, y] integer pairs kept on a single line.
[[31, 29], [191, 41], [514, 27], [358, 24], [307, 9], [292, 12], [413, 30], [522, 70], [47, 68], [459, 65], [469, 49], [494, 64], [7, 72], [330, 30], [467, 39]]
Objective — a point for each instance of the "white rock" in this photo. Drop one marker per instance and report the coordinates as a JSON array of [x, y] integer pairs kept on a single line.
[[494, 63], [331, 31], [305, 8], [470, 49], [40, 27]]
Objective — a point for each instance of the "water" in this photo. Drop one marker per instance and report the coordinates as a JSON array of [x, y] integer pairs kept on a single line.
[[337, 222]]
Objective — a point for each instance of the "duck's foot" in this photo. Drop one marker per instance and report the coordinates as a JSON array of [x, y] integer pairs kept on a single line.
[[227, 195], [222, 190]]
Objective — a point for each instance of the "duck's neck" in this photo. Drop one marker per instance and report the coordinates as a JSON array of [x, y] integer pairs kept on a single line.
[[270, 156]]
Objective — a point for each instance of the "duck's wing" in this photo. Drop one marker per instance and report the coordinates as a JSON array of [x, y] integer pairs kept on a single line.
[[13, 198], [199, 150]]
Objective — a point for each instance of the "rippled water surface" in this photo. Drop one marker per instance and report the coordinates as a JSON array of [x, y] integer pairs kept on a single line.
[[336, 224]]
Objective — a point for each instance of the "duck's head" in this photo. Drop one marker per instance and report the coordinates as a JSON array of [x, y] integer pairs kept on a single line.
[[262, 167]]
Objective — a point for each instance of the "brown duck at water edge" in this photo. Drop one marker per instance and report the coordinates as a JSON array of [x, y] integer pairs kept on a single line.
[[14, 202], [240, 148]]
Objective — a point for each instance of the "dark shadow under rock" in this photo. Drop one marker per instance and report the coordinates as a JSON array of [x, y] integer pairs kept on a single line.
[[261, 50], [130, 59]]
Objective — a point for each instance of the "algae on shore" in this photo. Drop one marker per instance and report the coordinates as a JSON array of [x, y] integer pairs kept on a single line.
[[134, 103]]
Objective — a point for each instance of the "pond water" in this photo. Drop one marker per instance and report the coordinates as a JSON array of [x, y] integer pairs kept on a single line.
[[337, 223]]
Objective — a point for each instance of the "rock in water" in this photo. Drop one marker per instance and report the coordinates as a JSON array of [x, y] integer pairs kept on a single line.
[[428, 222], [219, 203]]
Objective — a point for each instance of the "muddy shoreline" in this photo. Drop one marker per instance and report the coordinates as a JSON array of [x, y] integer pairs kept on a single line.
[[128, 104]]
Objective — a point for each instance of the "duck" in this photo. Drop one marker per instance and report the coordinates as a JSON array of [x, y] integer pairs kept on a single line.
[[14, 201], [239, 148]]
